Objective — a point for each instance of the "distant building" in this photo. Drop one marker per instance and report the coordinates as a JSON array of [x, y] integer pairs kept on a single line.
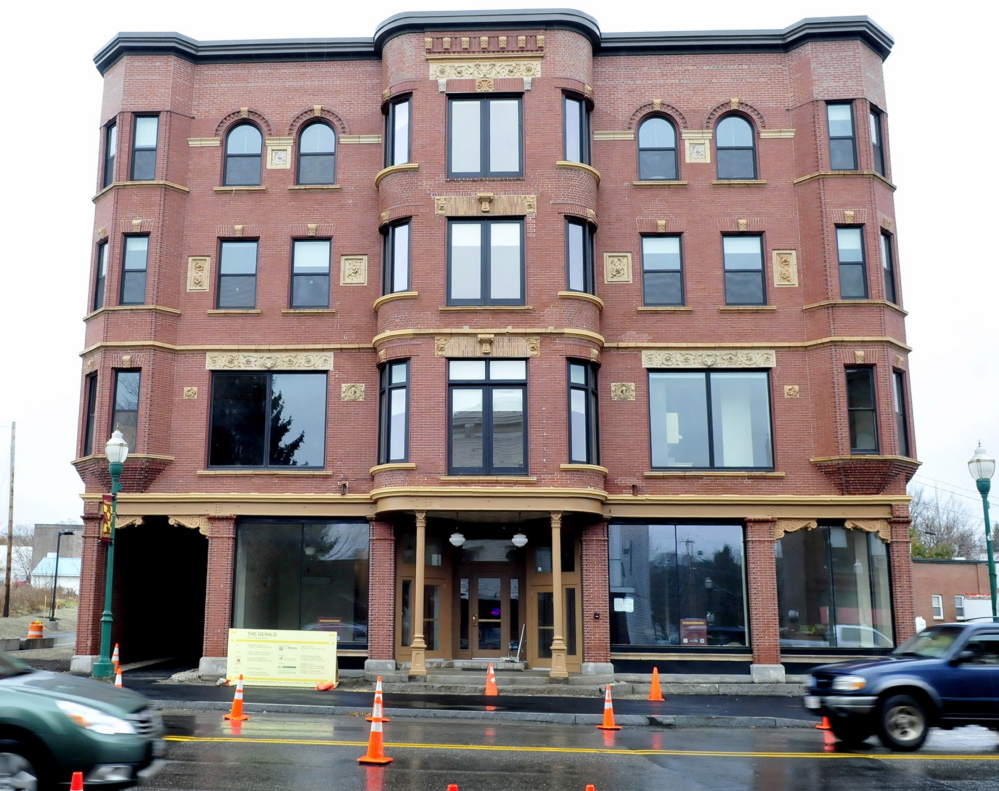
[[45, 539], [945, 589], [69, 573]]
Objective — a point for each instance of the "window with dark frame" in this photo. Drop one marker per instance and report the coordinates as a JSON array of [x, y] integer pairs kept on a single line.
[[144, 147], [710, 419], [842, 140], [735, 145], [317, 154], [393, 413], [579, 256], [584, 437], [861, 410], [89, 425], [852, 267], [243, 156], [395, 258], [657, 159], [133, 274], [901, 422], [125, 412], [486, 262], [100, 281], [485, 137], [888, 267], [744, 275], [662, 271], [237, 275], [576, 129], [310, 273], [397, 131], [110, 151], [263, 419], [876, 143], [488, 429]]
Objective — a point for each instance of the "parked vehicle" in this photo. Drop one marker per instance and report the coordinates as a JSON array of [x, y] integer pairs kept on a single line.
[[54, 724], [946, 676]]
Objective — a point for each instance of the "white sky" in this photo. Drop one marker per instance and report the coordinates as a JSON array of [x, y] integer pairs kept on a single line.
[[936, 84]]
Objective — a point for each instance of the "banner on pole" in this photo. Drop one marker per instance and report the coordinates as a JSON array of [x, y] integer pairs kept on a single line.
[[107, 504]]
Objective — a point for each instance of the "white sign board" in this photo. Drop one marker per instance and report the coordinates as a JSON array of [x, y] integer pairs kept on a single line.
[[281, 657]]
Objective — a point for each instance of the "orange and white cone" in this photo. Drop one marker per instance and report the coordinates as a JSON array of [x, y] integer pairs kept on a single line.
[[655, 693], [608, 714], [824, 725], [117, 675], [76, 784], [114, 657], [589, 787], [378, 711], [376, 747], [452, 787], [491, 681], [237, 704]]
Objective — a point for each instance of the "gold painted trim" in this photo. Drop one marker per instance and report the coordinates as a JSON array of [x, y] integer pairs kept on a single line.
[[235, 189], [133, 309], [169, 347], [309, 311], [747, 657], [246, 360], [563, 164], [487, 479], [360, 139], [663, 183], [840, 174], [488, 66], [833, 340], [582, 295], [204, 142], [747, 309], [413, 333], [233, 312], [146, 456], [409, 465], [315, 188], [403, 168], [584, 468], [835, 303], [738, 183], [281, 473], [477, 308], [711, 474], [772, 133], [606, 135], [863, 457], [813, 500], [664, 309], [151, 183], [720, 357], [393, 297], [782, 526]]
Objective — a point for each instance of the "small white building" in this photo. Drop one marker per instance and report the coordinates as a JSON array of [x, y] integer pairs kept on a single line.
[[69, 572]]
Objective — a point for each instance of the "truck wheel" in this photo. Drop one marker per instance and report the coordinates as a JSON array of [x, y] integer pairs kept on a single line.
[[19, 770], [902, 723], [851, 730]]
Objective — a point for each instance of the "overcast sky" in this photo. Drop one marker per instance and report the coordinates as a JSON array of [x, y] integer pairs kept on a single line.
[[936, 85]]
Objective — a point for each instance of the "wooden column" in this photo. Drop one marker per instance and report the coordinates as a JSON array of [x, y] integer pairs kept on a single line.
[[558, 638], [418, 666]]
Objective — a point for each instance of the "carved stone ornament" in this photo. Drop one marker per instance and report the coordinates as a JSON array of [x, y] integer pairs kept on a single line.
[[484, 85], [556, 519], [709, 358], [198, 272], [199, 523], [311, 228], [742, 225], [352, 392], [785, 268], [879, 526], [440, 205], [464, 42], [859, 357], [617, 267], [258, 361], [190, 393], [479, 70], [126, 361], [487, 345], [279, 157], [122, 522], [660, 226], [848, 215], [440, 344], [899, 361], [782, 526], [237, 230], [791, 391], [353, 270], [533, 345], [622, 391]]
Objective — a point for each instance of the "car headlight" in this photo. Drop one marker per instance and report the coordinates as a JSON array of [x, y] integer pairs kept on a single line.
[[809, 681], [94, 720], [849, 683]]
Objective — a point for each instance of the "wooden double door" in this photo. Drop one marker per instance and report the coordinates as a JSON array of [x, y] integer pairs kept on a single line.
[[490, 613]]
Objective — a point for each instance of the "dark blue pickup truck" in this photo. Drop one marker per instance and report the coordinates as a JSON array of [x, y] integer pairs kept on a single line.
[[945, 676]]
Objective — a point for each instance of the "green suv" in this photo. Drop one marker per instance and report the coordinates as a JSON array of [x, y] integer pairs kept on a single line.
[[53, 724]]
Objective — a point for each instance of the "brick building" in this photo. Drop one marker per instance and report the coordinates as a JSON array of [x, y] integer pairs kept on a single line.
[[495, 334]]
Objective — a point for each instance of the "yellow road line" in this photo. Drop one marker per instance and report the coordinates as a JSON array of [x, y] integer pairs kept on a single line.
[[589, 750]]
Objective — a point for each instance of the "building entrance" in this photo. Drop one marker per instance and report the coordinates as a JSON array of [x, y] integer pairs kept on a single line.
[[489, 613]]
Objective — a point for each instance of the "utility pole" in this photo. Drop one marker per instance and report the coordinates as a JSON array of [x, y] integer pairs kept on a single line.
[[10, 528]]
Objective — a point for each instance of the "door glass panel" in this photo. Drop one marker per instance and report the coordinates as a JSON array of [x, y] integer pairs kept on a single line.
[[570, 621], [431, 615], [546, 624], [407, 612], [490, 613], [463, 614], [514, 616]]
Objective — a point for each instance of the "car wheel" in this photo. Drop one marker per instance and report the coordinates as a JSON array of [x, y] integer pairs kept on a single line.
[[902, 723], [851, 731], [18, 768]]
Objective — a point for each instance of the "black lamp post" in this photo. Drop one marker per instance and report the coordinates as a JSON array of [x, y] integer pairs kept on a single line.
[[55, 575]]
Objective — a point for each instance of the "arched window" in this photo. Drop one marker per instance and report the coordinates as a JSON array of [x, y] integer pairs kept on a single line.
[[242, 156], [736, 148], [317, 155], [657, 150]]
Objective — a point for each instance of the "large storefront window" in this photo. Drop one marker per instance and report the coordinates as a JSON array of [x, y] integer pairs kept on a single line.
[[833, 589], [311, 575], [677, 585]]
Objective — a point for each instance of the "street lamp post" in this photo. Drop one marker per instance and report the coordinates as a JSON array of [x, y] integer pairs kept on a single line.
[[55, 574], [982, 468], [117, 451]]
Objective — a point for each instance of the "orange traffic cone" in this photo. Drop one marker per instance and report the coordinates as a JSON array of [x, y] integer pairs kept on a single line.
[[491, 681], [452, 787], [654, 692], [608, 714], [376, 747], [377, 711], [237, 704], [35, 630], [589, 787], [824, 725], [322, 686], [114, 657], [76, 784], [117, 675]]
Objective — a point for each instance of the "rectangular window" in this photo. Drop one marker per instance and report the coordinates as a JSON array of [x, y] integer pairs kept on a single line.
[[860, 404], [237, 275], [133, 275], [579, 256], [901, 424], [852, 269], [110, 150], [936, 602], [125, 415], [91, 404], [397, 132], [842, 147], [144, 147], [744, 270], [310, 273], [876, 143], [576, 130], [268, 420], [393, 413], [959, 608], [396, 259], [710, 419], [102, 275], [487, 402], [888, 265], [484, 135], [662, 270], [486, 262], [584, 447]]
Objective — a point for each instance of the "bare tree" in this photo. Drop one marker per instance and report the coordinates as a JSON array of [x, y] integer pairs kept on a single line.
[[944, 527]]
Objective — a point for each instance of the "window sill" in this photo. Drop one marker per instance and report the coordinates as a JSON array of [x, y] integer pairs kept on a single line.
[[384, 298], [235, 189], [878, 303], [738, 183], [488, 479], [663, 183], [563, 164], [233, 311], [582, 296], [406, 167], [285, 473], [392, 467], [308, 311], [315, 188], [713, 474], [665, 309], [584, 468], [153, 183], [748, 309], [132, 309], [474, 308], [826, 174]]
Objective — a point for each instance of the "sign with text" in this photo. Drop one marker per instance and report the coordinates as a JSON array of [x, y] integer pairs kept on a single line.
[[281, 657], [107, 505]]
